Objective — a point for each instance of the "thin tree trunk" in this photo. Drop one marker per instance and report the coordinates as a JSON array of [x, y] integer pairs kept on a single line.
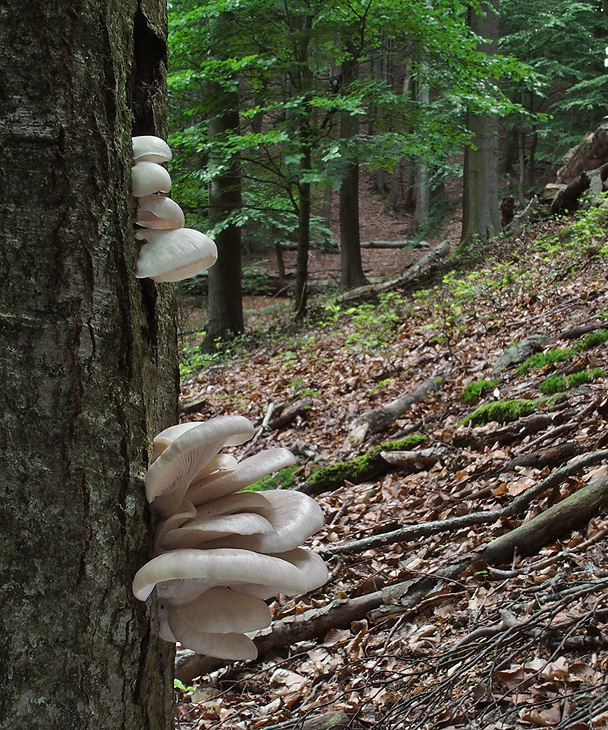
[[351, 267], [225, 299], [481, 218], [88, 372], [304, 206]]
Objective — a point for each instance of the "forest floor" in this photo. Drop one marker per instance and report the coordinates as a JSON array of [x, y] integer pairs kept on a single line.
[[517, 641]]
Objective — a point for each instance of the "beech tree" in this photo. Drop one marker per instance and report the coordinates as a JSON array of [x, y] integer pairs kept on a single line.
[[88, 367], [480, 213]]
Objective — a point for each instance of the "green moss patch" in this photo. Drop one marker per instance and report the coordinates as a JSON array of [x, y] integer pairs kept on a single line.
[[502, 411], [561, 383], [284, 479], [593, 339], [475, 390], [540, 359], [360, 468]]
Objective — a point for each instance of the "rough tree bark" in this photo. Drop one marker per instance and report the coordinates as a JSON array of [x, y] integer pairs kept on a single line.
[[225, 299], [88, 370], [480, 215]]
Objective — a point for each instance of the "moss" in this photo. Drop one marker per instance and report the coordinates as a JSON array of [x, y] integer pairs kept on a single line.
[[585, 376], [554, 384], [501, 411], [593, 339], [284, 479], [474, 390], [360, 468], [540, 359]]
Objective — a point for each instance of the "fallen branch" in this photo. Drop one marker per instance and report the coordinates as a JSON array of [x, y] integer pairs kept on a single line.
[[287, 415], [515, 507], [380, 418], [422, 267]]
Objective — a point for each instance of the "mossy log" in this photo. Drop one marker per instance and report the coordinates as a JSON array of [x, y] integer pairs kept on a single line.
[[379, 419], [357, 470]]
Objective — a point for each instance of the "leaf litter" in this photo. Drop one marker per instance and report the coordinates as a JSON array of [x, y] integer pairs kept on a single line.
[[519, 645]]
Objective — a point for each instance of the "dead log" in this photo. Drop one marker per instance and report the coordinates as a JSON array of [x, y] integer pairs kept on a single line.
[[549, 456], [591, 179], [578, 330], [194, 405], [287, 415], [381, 418], [546, 527], [423, 267], [357, 470], [588, 154]]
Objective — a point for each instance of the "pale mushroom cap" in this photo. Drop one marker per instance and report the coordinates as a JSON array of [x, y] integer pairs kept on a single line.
[[195, 533], [148, 178], [223, 567], [173, 255], [164, 438], [310, 564], [148, 148], [158, 211], [222, 610], [223, 646], [246, 472], [171, 474], [294, 517]]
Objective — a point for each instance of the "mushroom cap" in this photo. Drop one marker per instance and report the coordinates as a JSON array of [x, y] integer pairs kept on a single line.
[[164, 438], [158, 211], [185, 574], [174, 254], [221, 610], [246, 472], [294, 517], [148, 178], [170, 475], [224, 646], [310, 564], [195, 533], [148, 148]]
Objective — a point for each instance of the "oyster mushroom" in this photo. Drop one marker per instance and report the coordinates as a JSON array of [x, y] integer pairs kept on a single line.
[[148, 178], [169, 477], [174, 254], [148, 148], [160, 212]]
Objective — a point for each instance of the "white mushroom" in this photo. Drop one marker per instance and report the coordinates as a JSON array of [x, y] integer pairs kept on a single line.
[[148, 178], [169, 476], [246, 472], [223, 646], [311, 565], [294, 518], [195, 533], [158, 211], [148, 148], [173, 255], [221, 610], [183, 575]]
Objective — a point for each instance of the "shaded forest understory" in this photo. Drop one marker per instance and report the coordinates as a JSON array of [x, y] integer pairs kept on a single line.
[[469, 565]]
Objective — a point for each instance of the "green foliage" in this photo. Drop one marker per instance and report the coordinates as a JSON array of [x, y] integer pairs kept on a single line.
[[499, 411], [476, 389], [361, 467], [585, 376]]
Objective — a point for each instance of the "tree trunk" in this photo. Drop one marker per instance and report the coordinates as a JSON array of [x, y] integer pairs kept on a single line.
[[225, 299], [303, 236], [88, 372], [351, 268], [481, 217]]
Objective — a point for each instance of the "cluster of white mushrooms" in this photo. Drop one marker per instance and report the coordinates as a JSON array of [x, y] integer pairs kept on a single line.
[[171, 252], [220, 552]]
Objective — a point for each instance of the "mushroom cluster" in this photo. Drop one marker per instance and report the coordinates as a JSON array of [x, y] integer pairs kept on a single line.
[[170, 252], [221, 552]]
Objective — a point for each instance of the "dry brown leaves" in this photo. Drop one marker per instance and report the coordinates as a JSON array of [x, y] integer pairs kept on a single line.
[[520, 647]]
